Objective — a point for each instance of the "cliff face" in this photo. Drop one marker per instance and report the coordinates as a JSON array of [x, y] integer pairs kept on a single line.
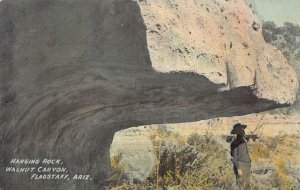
[[220, 40], [287, 39], [75, 72]]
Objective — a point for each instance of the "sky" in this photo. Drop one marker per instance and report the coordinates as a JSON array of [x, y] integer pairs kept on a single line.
[[279, 11]]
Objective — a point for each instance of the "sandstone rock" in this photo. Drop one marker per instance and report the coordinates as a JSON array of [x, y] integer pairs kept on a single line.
[[287, 39], [75, 72], [210, 43]]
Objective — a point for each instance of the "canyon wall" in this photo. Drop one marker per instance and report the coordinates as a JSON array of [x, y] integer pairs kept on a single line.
[[220, 40], [72, 73]]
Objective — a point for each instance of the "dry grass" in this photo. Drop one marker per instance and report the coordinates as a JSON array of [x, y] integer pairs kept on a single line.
[[278, 152], [200, 162]]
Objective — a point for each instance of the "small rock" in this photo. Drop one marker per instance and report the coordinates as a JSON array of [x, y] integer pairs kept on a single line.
[[246, 46], [158, 26], [255, 26]]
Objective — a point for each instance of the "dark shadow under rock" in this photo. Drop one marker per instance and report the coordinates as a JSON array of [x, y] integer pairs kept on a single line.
[[75, 72]]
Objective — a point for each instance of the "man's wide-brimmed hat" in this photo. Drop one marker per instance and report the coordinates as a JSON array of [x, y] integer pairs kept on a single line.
[[238, 129]]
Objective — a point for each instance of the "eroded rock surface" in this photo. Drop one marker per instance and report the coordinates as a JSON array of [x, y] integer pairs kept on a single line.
[[218, 39], [287, 39], [75, 72]]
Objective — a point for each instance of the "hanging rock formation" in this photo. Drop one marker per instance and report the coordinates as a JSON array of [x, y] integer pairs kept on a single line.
[[220, 40], [72, 73]]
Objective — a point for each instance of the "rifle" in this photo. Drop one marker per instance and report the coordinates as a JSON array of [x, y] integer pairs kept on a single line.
[[230, 138], [252, 136]]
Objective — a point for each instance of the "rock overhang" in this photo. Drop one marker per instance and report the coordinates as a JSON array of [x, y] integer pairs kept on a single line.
[[221, 40], [66, 93]]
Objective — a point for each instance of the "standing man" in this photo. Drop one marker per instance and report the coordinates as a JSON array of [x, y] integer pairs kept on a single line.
[[240, 157]]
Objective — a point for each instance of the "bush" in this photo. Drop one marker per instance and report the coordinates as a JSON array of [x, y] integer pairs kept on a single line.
[[276, 150], [201, 162]]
